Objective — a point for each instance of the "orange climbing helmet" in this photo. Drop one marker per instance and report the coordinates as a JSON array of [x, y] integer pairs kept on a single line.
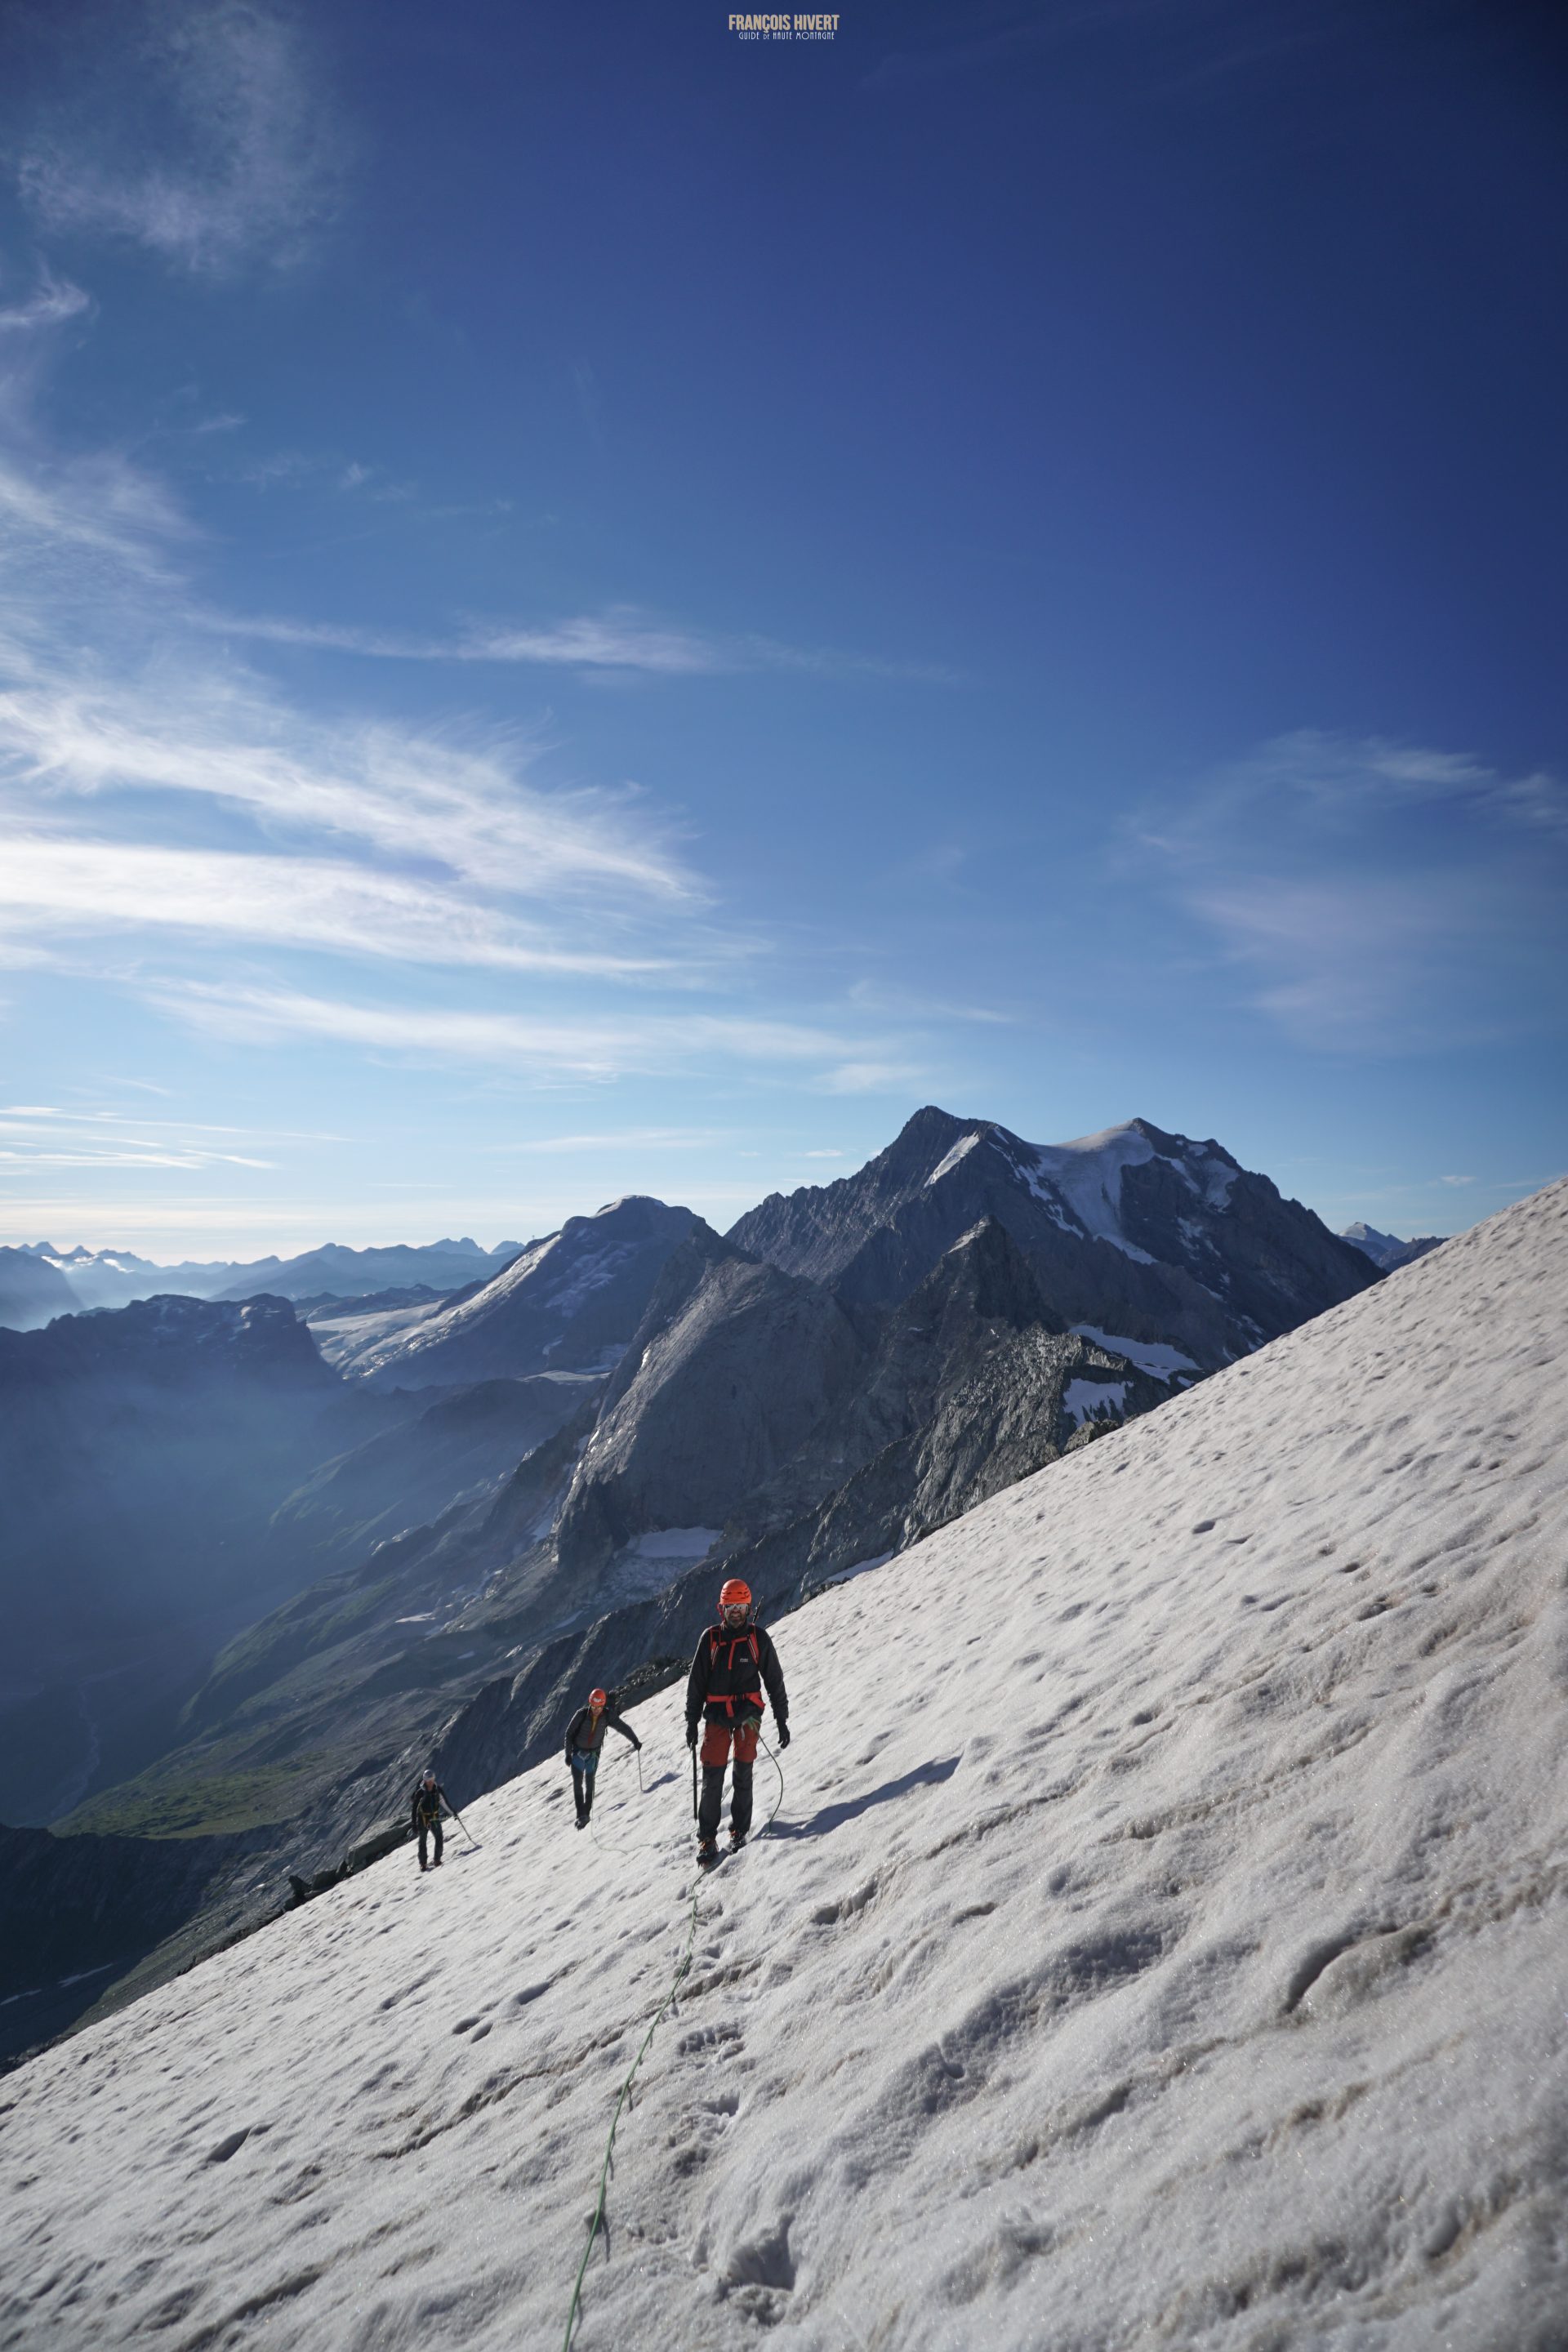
[[597, 1700], [734, 1594]]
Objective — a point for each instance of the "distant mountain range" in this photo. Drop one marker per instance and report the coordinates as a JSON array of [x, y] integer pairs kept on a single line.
[[1386, 1249], [38, 1281]]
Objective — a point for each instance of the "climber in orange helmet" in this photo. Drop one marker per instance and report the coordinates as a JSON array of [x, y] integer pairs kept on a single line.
[[735, 1662], [584, 1740]]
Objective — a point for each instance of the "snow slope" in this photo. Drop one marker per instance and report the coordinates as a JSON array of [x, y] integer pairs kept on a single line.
[[1162, 1943]]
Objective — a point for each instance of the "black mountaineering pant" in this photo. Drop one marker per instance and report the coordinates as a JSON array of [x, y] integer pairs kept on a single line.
[[430, 1826]]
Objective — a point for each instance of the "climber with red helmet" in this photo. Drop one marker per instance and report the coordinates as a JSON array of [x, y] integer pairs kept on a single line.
[[735, 1662], [584, 1739]]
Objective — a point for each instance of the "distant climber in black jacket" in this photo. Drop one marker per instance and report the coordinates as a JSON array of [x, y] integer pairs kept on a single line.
[[429, 1802], [735, 1661], [585, 1740]]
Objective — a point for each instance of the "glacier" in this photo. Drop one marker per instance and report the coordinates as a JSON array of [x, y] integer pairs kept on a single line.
[[1160, 1941]]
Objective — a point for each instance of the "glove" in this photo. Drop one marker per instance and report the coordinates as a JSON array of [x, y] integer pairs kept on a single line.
[[784, 1735], [691, 1735]]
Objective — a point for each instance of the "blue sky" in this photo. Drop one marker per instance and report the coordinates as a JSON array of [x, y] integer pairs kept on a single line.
[[587, 606]]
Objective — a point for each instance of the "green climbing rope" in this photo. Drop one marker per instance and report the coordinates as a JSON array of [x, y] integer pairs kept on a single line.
[[682, 1970], [663, 2008]]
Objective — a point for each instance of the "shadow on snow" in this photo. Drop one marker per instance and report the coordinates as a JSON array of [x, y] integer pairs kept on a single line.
[[833, 1817]]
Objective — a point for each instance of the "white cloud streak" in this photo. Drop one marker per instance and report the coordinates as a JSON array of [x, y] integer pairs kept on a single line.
[[461, 807], [621, 639], [640, 1043], [204, 139], [52, 302], [79, 887], [158, 793]]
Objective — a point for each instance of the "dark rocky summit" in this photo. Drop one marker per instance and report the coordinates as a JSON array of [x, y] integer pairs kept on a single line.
[[1145, 1235], [568, 1303]]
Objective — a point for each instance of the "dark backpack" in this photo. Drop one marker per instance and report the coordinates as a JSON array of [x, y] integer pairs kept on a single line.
[[719, 1639]]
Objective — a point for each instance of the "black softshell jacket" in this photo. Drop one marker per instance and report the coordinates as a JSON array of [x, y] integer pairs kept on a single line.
[[431, 1802], [726, 1672], [580, 1739]]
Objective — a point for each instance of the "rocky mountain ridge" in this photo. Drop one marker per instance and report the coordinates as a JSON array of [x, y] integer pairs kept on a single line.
[[565, 1303], [1145, 1235], [638, 1403]]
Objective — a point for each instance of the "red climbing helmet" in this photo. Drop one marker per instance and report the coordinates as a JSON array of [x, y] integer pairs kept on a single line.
[[734, 1601], [597, 1700]]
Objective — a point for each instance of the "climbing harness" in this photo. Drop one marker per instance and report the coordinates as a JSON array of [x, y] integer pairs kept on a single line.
[[682, 1970]]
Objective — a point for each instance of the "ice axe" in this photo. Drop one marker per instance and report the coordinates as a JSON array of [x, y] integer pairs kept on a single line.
[[463, 1826]]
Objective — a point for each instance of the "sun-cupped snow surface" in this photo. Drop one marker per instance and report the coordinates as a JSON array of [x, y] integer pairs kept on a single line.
[[1161, 1942]]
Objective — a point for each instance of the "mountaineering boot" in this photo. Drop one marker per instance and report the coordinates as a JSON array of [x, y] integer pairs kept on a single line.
[[707, 1853], [737, 1840], [581, 1820]]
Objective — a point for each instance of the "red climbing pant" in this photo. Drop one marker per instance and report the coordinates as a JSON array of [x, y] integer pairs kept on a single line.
[[716, 1740]]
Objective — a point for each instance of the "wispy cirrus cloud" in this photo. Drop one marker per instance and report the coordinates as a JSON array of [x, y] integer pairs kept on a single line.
[[461, 807], [76, 886], [36, 1136], [203, 136], [623, 639], [52, 302], [633, 1042], [1378, 896], [627, 1138], [176, 825]]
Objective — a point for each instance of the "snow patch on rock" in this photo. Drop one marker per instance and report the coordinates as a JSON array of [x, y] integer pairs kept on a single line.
[[1086, 1400], [959, 1151], [1087, 1175], [1150, 1356]]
